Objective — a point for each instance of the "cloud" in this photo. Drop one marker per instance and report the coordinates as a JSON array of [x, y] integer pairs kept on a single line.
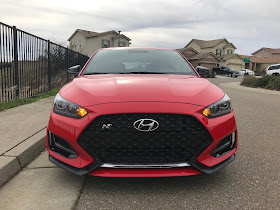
[[248, 24]]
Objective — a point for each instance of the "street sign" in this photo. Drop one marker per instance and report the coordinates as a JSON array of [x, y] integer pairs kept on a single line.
[[247, 59]]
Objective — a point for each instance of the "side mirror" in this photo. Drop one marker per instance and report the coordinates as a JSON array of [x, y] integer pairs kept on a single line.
[[74, 70], [202, 71]]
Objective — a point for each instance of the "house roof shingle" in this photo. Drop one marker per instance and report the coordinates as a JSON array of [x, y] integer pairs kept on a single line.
[[209, 43], [228, 56], [272, 50], [187, 49], [202, 55], [89, 34]]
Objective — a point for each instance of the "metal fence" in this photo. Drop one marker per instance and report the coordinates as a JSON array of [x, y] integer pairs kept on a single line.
[[30, 65]]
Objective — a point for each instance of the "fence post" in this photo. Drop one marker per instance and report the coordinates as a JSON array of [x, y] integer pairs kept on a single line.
[[49, 66], [16, 61], [67, 64]]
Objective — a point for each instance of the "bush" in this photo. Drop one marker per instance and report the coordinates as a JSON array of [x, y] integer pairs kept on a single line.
[[261, 82], [248, 80], [268, 82], [274, 83]]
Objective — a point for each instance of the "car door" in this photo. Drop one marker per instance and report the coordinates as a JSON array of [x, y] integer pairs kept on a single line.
[[226, 70]]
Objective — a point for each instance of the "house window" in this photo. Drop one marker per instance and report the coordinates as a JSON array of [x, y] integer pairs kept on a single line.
[[105, 43], [229, 52], [218, 52], [121, 44], [264, 56]]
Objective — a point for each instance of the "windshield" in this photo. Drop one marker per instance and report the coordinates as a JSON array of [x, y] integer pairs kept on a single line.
[[138, 61]]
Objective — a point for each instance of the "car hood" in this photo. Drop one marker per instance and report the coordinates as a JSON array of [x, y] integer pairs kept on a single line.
[[100, 89]]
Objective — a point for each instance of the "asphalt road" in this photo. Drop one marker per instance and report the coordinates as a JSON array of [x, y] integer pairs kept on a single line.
[[252, 181]]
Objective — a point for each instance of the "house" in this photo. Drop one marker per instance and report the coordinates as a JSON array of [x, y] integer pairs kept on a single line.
[[261, 59], [268, 53], [87, 42], [212, 53]]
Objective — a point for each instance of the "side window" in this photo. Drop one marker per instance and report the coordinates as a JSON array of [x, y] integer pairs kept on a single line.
[[274, 67], [218, 52], [105, 43], [229, 52], [121, 44]]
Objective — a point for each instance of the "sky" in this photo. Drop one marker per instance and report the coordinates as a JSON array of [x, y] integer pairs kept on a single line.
[[248, 24]]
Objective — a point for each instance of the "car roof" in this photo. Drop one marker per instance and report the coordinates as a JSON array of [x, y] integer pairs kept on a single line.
[[275, 64]]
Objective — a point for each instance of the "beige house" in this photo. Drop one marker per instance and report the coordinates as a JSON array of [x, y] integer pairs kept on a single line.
[[220, 52], [87, 42], [268, 53]]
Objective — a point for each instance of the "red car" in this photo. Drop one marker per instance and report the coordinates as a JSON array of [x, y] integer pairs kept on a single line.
[[140, 112]]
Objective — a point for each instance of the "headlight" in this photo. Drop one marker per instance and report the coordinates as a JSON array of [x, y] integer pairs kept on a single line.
[[219, 108], [66, 108]]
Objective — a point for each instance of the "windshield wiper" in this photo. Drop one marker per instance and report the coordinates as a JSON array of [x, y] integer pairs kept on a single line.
[[141, 72], [92, 73], [131, 72]]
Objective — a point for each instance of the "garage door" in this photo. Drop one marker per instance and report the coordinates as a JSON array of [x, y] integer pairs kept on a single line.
[[209, 66]]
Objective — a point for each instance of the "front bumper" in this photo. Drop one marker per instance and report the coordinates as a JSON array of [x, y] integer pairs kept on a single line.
[[201, 162]]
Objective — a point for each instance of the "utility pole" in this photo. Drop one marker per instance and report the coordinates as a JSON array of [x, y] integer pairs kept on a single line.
[[119, 38]]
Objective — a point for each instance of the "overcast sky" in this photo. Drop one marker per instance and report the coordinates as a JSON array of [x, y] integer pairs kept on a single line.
[[248, 24]]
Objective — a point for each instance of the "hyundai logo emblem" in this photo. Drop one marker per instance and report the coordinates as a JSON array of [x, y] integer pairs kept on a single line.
[[146, 125]]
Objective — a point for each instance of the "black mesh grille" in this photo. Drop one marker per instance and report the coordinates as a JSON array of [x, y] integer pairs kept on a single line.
[[175, 140]]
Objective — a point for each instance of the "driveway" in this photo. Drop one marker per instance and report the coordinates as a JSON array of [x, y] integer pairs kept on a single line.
[[252, 181]]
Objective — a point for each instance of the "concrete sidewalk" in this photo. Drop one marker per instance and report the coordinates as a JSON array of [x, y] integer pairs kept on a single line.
[[22, 136]]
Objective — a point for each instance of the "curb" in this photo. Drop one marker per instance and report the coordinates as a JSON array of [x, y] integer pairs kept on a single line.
[[18, 157]]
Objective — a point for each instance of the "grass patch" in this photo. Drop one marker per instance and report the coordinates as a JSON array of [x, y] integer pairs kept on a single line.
[[21, 101], [267, 82]]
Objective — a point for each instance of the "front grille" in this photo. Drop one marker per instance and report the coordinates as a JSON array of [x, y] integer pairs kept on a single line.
[[175, 140]]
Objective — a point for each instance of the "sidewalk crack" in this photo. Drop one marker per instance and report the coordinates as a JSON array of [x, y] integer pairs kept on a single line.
[[24, 140]]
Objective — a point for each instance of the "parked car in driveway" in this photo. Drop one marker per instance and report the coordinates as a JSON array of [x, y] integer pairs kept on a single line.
[[224, 70], [203, 72], [273, 70], [244, 72], [140, 112]]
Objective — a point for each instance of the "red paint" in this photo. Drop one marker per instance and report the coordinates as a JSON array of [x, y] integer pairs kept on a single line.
[[99, 89]]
